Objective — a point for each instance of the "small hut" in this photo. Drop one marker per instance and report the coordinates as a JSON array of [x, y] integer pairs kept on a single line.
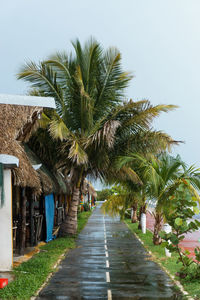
[[22, 181], [15, 124], [88, 196]]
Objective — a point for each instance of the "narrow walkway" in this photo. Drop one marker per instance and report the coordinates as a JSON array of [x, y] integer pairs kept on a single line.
[[108, 263]]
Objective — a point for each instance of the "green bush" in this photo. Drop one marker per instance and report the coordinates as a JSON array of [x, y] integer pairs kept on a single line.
[[180, 217]]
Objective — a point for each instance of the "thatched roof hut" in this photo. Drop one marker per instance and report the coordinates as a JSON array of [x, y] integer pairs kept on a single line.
[[16, 125]]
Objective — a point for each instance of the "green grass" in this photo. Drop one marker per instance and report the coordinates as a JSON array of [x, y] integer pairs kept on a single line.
[[158, 254], [30, 275]]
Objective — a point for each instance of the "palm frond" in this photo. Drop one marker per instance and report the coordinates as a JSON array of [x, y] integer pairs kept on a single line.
[[59, 130], [114, 205], [44, 121], [130, 174], [43, 78], [77, 154], [105, 135]]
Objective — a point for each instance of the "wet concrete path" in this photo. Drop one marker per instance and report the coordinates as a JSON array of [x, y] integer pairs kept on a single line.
[[108, 263]]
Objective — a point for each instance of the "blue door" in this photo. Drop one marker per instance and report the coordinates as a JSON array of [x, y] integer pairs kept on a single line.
[[49, 213]]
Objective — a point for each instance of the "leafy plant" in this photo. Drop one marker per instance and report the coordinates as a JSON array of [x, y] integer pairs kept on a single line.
[[179, 215]]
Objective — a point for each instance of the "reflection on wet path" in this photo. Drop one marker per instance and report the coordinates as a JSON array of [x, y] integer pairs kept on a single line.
[[108, 263]]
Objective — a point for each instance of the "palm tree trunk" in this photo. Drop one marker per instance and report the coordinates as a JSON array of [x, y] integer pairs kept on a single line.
[[69, 226], [134, 216], [142, 210], [139, 218], [157, 228]]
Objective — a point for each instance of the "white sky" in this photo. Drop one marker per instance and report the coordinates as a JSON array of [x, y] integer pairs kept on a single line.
[[159, 41]]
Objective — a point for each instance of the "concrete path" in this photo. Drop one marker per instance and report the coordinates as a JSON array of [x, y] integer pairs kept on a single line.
[[108, 263]]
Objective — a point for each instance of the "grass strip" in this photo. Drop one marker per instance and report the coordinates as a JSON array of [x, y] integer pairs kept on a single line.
[[158, 254], [30, 275]]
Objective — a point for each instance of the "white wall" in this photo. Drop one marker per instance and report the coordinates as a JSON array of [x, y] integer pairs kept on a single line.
[[6, 249]]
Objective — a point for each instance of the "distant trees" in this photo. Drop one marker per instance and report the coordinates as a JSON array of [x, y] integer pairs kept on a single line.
[[104, 194]]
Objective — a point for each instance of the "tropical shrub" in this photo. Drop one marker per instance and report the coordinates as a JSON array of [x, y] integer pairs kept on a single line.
[[179, 215], [86, 206]]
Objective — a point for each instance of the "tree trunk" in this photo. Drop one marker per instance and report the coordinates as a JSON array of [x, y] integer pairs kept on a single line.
[[142, 210], [157, 228], [134, 215], [69, 226]]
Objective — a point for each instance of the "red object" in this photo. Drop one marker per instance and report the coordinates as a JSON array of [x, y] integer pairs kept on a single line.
[[3, 282]]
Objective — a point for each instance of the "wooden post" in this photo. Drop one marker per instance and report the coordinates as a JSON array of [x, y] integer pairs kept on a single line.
[[23, 222], [32, 227], [59, 200], [65, 205], [41, 200]]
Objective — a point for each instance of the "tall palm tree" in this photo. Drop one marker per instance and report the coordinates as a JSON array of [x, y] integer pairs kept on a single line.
[[91, 121]]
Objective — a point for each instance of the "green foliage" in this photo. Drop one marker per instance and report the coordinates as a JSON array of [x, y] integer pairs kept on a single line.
[[30, 275], [124, 196], [92, 122], [163, 175], [182, 209], [158, 253], [86, 206], [104, 194]]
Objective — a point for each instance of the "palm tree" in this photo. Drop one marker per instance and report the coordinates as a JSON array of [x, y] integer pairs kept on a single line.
[[91, 121], [127, 197], [123, 196], [163, 176]]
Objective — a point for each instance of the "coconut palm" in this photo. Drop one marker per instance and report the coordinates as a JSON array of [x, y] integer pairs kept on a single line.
[[91, 121], [163, 176]]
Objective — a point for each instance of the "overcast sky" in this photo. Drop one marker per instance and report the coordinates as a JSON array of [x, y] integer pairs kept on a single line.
[[159, 41]]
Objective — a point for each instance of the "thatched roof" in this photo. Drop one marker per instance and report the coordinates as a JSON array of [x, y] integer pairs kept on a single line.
[[16, 124], [88, 188], [50, 182], [46, 179], [92, 190]]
